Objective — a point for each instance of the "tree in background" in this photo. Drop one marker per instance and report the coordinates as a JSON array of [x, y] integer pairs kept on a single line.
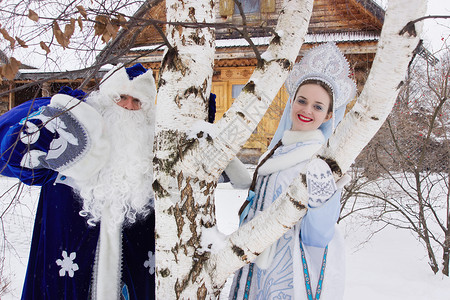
[[403, 174]]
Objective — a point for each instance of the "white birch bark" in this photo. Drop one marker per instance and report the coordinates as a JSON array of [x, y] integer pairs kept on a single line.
[[187, 166], [351, 136], [183, 200]]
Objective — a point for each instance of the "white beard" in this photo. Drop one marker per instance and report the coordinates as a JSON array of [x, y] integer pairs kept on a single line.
[[124, 184]]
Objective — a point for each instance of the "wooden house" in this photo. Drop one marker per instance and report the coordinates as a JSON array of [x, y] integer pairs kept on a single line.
[[355, 26]]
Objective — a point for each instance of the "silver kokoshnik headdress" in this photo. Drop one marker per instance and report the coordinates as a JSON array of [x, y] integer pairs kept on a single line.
[[327, 64]]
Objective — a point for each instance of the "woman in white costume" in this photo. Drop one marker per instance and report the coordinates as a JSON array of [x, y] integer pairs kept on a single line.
[[307, 262]]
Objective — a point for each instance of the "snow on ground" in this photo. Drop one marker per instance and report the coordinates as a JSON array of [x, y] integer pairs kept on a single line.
[[391, 265], [16, 230]]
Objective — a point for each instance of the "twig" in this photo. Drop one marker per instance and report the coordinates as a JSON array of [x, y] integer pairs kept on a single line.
[[245, 34]]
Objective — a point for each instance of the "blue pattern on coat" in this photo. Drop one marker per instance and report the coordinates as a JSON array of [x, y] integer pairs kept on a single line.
[[63, 246]]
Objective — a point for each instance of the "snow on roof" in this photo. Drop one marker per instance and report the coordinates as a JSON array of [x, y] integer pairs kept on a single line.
[[103, 69], [310, 38]]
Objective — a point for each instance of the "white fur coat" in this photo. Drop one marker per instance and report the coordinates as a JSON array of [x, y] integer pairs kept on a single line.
[[278, 272]]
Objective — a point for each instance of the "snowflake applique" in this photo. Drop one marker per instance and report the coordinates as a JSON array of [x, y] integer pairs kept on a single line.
[[67, 264], [150, 263]]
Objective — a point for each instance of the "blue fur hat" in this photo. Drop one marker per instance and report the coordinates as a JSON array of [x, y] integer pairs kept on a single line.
[[135, 81], [135, 71]]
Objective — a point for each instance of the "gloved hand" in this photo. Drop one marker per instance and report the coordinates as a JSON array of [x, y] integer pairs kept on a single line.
[[320, 183]]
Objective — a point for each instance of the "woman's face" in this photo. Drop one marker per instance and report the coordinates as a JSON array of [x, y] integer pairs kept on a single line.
[[310, 108]]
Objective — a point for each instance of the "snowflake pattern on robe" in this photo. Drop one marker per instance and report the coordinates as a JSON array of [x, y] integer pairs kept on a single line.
[[150, 263], [67, 264]]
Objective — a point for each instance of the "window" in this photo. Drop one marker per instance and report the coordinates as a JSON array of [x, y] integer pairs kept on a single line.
[[249, 6], [236, 90], [228, 8]]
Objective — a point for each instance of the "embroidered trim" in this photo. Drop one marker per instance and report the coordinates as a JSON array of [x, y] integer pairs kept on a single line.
[[306, 274]]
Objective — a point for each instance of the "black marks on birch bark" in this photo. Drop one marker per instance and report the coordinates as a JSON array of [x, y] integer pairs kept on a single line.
[[164, 272], [181, 143], [202, 292], [187, 213], [172, 62], [175, 250], [303, 178], [187, 198], [179, 219], [193, 90], [161, 82], [159, 190], [207, 187], [205, 84], [197, 267], [179, 287], [333, 165], [180, 178], [360, 116], [238, 251], [296, 203], [198, 262], [276, 40], [410, 29], [284, 63], [249, 87], [192, 14], [197, 37], [177, 101]]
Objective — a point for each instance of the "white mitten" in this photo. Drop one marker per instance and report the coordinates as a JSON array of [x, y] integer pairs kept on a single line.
[[320, 182]]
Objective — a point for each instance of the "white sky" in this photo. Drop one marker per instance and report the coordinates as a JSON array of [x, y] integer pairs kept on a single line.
[[434, 32]]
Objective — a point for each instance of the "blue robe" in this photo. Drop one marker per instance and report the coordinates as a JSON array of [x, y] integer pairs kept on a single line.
[[277, 273], [63, 247]]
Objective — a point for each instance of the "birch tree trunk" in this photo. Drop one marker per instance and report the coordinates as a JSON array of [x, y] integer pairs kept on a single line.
[[190, 154], [188, 161]]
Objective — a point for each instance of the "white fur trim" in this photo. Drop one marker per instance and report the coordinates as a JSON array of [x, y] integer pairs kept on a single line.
[[92, 121], [66, 180], [109, 259], [295, 156], [116, 82], [291, 136]]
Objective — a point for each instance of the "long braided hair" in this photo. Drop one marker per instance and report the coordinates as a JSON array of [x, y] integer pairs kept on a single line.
[[255, 175]]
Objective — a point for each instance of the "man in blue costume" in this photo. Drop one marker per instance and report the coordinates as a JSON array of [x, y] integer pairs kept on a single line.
[[93, 236]]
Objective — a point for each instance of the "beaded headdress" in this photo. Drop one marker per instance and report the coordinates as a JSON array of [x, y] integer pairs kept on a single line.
[[325, 63]]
